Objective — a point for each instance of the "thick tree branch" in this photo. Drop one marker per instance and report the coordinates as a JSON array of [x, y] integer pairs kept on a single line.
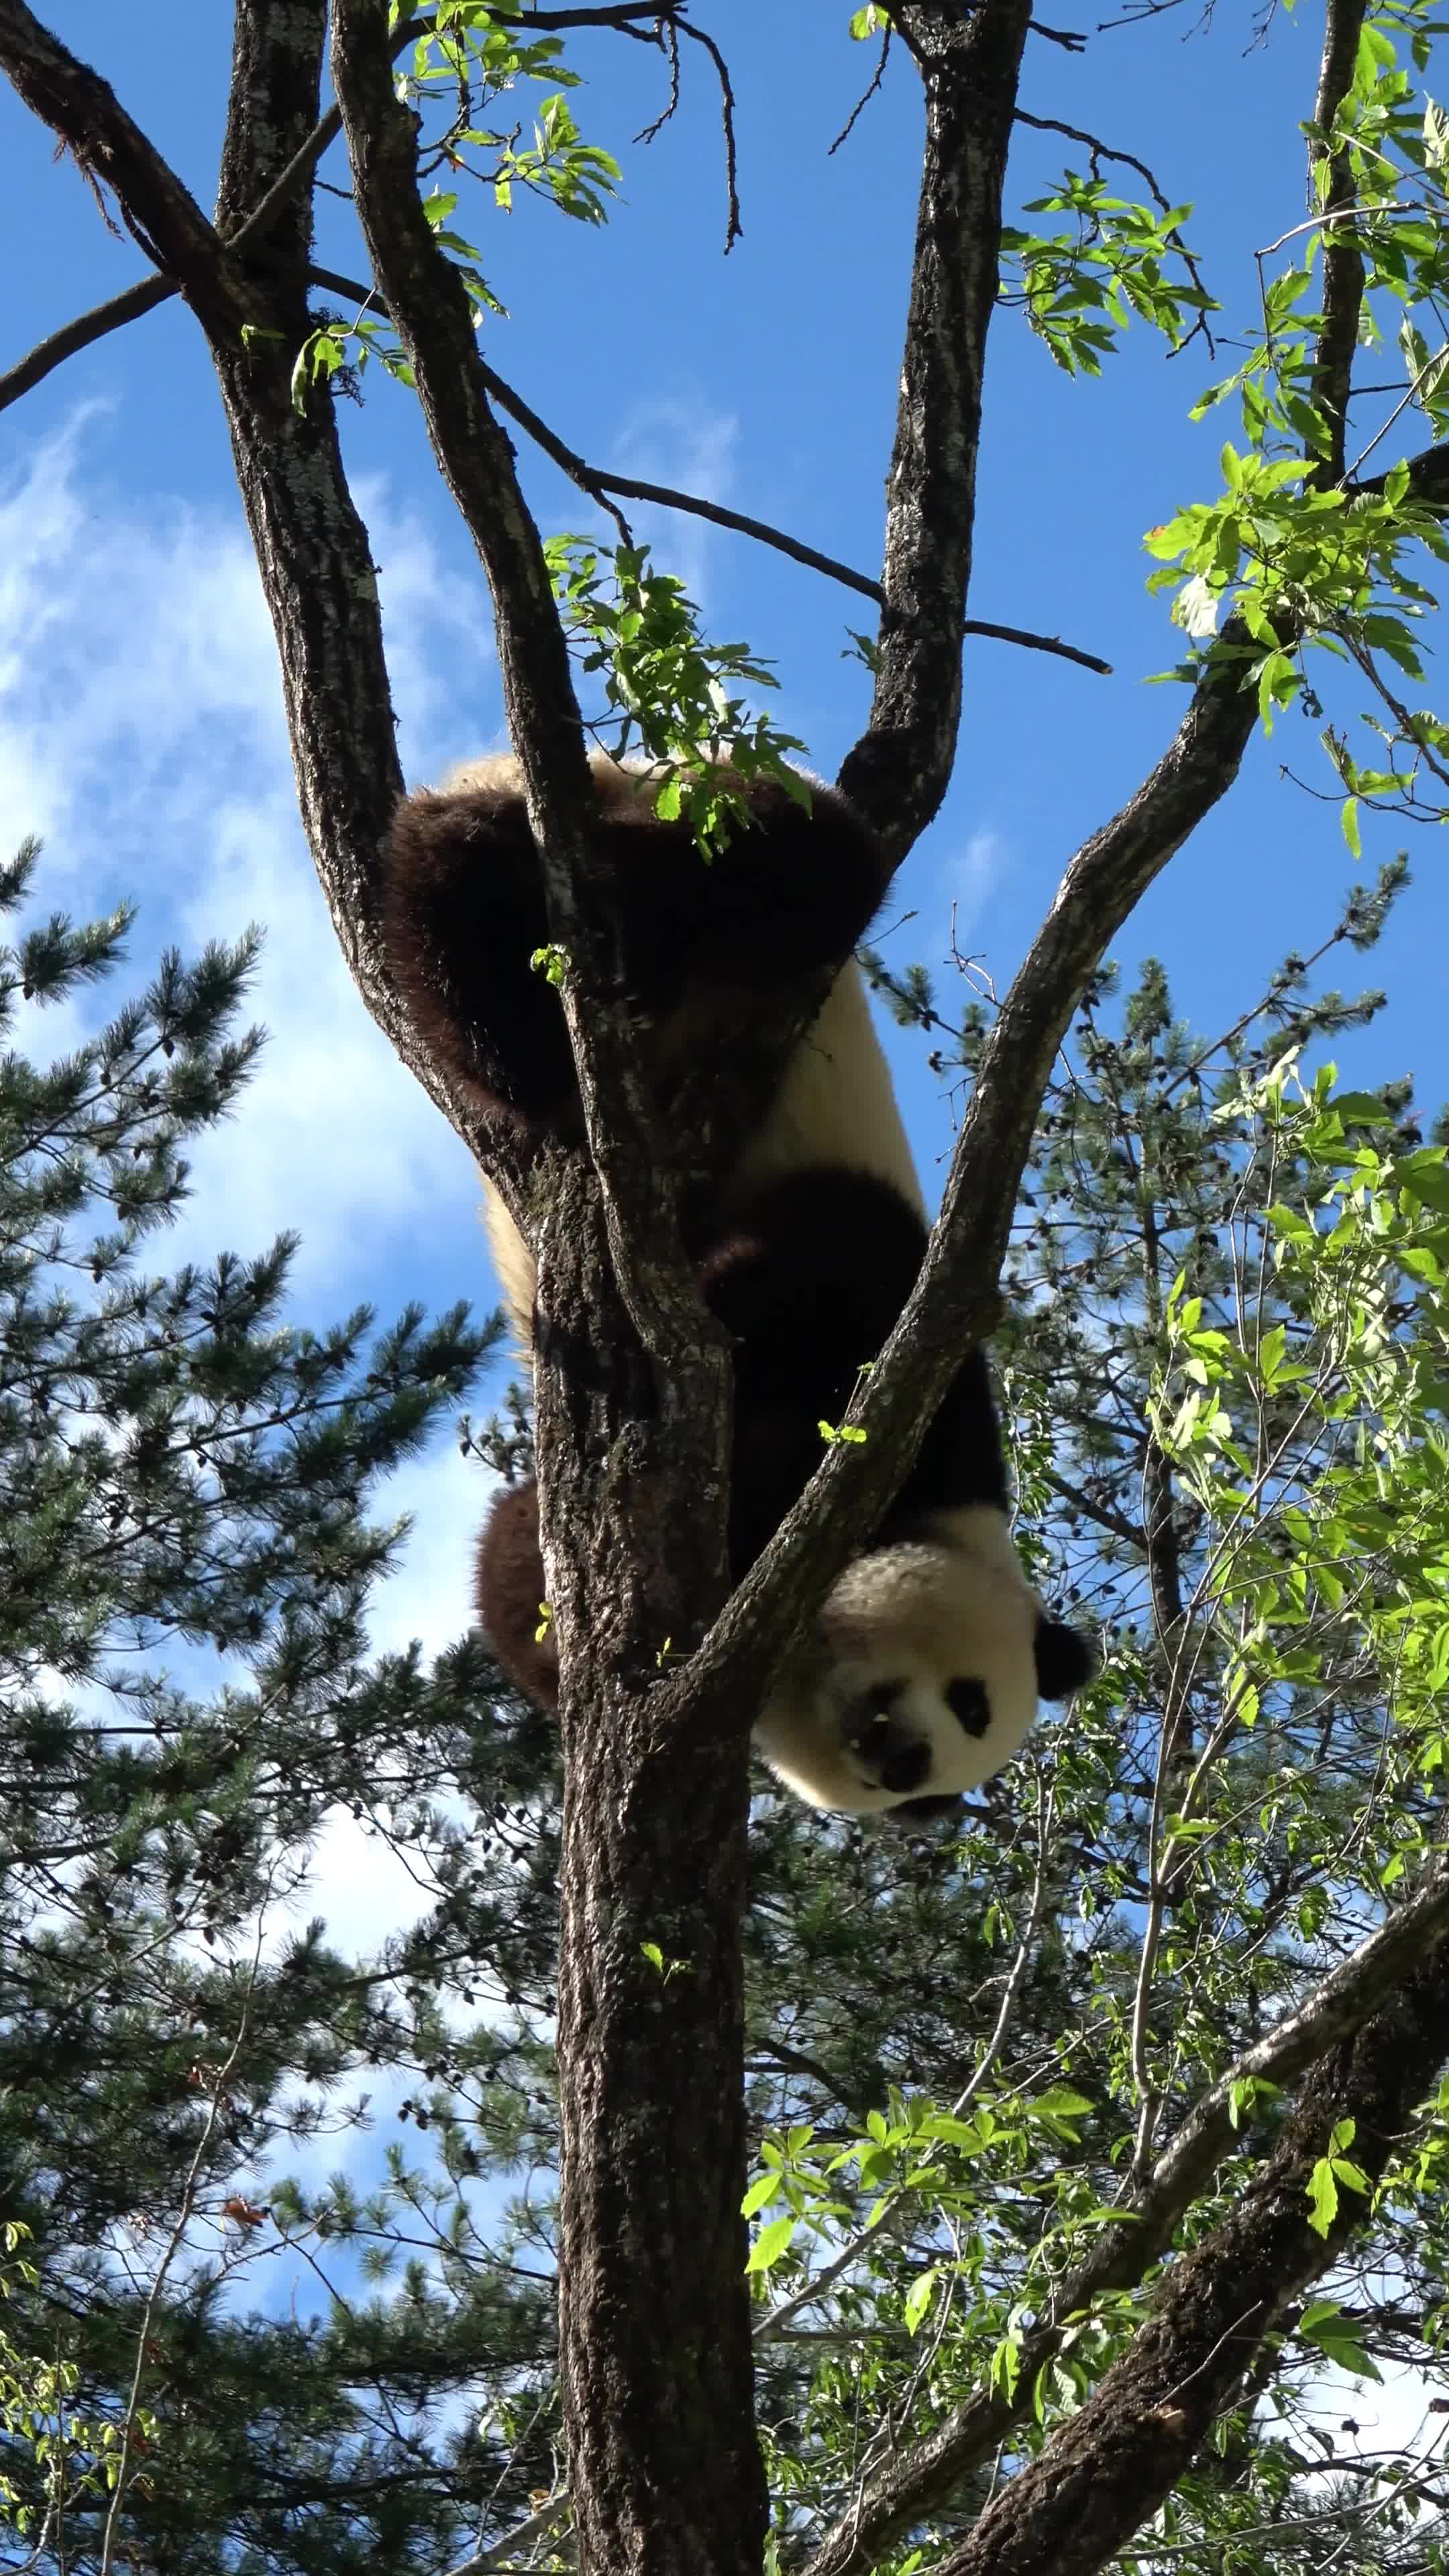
[[1343, 276], [970, 59], [665, 2472], [430, 311], [84, 111], [1104, 2472], [311, 546], [922, 2479], [133, 301]]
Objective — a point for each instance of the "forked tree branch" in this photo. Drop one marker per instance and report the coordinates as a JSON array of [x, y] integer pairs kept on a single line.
[[1110, 2466], [429, 309], [921, 2479], [84, 111], [653, 2305]]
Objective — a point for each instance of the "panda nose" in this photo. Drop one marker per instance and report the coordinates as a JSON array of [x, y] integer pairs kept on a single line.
[[892, 1755], [904, 1763]]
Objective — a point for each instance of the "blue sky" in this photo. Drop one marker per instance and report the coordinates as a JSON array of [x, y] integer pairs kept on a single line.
[[140, 713], [140, 717]]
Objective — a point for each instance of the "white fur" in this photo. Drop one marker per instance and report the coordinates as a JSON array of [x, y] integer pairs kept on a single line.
[[953, 1604], [836, 1104]]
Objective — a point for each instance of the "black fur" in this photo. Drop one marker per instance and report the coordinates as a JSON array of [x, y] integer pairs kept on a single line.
[[808, 1273], [463, 913], [810, 1279]]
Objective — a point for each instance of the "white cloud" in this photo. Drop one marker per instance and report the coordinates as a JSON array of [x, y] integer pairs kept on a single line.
[[141, 731], [142, 734], [968, 873], [691, 450], [446, 1497]]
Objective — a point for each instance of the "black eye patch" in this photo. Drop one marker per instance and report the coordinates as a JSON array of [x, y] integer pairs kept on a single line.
[[970, 1706]]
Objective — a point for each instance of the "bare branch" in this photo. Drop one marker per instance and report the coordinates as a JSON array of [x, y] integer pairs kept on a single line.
[[85, 113], [311, 546], [868, 93], [733, 228], [133, 301], [598, 485], [87, 328], [1036, 643]]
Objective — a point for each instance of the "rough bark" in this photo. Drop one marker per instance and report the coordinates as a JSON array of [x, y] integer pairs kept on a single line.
[[1105, 2472], [632, 1396], [311, 546], [1343, 276], [970, 62], [924, 2477]]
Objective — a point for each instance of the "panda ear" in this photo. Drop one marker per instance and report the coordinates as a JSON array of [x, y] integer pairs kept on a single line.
[[1064, 1659]]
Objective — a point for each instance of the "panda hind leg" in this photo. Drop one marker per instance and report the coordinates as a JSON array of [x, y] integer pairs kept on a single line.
[[508, 1595]]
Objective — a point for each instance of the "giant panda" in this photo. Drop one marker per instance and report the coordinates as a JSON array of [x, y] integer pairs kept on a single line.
[[921, 1674]]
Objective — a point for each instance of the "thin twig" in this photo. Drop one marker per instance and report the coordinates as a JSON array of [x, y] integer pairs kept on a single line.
[[879, 2228], [868, 93], [72, 337], [669, 39], [598, 485], [734, 229]]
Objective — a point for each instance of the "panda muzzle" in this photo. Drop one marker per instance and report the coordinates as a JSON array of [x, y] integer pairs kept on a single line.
[[892, 1756]]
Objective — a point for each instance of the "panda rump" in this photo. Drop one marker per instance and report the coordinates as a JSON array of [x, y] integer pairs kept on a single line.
[[920, 1675]]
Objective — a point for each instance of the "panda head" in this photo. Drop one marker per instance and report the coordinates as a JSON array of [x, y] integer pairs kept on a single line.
[[922, 1673]]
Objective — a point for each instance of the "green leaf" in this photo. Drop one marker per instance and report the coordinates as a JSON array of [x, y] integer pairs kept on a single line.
[[918, 2298], [770, 2244], [1322, 2197], [1060, 2102]]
